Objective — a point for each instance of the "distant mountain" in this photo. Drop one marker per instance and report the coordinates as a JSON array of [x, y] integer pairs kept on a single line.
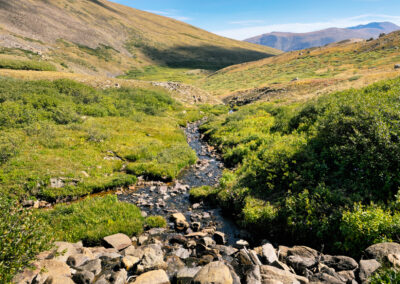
[[295, 41]]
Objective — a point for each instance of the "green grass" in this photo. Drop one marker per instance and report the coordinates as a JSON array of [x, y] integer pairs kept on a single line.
[[324, 63], [160, 73], [92, 219], [93, 139], [207, 193], [322, 172], [26, 65]]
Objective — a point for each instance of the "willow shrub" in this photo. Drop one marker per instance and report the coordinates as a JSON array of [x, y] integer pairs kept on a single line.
[[22, 237]]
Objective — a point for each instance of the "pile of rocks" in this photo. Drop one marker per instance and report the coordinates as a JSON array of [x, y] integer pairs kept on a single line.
[[187, 253]]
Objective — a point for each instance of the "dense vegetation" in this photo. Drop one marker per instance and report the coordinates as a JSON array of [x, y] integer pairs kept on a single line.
[[87, 140], [26, 65], [22, 237], [92, 219], [325, 172]]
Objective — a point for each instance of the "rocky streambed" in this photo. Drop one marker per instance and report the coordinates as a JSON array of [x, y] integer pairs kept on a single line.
[[200, 245]]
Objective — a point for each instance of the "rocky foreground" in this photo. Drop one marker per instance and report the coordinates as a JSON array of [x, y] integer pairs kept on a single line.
[[187, 253]]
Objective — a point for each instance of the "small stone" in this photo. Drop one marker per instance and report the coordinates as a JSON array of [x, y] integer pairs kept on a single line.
[[196, 226], [77, 260], [182, 253], [207, 241]]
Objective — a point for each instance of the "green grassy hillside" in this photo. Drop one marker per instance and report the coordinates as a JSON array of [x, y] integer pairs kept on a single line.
[[303, 74], [87, 139], [323, 172], [102, 37]]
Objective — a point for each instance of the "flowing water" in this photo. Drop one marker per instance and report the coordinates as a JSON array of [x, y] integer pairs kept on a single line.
[[156, 198]]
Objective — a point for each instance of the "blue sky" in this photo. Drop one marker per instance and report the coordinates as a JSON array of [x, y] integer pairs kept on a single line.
[[242, 19]]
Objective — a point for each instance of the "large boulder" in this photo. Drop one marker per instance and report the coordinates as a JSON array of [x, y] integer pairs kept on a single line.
[[340, 263], [93, 266], [302, 251], [118, 241], [367, 268], [153, 277], [214, 273], [83, 277], [269, 273], [63, 250], [381, 251]]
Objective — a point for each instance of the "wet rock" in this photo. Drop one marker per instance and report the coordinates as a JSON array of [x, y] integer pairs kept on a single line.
[[118, 241], [83, 277], [272, 273], [174, 264], [219, 238], [340, 263], [214, 272], [186, 275], [367, 268], [93, 266], [382, 250], [180, 221], [153, 277], [226, 250], [268, 253]]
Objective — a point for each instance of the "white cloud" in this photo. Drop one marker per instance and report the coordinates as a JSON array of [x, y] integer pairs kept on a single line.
[[171, 14], [247, 32]]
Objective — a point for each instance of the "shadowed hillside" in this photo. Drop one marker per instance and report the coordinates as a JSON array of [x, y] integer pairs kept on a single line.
[[101, 37]]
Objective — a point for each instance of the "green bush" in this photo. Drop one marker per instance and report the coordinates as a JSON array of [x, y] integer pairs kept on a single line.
[[206, 193], [385, 276], [155, 222], [26, 65], [298, 168], [22, 237], [92, 219]]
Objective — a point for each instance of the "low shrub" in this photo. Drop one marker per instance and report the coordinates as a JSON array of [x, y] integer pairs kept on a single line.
[[26, 65], [155, 222], [22, 237]]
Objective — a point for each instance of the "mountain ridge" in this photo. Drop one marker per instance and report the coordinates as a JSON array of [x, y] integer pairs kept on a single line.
[[288, 41], [106, 38]]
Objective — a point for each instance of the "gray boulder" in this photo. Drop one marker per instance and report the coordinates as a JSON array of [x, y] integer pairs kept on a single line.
[[340, 263], [215, 273], [367, 268], [186, 275], [381, 251], [83, 277]]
